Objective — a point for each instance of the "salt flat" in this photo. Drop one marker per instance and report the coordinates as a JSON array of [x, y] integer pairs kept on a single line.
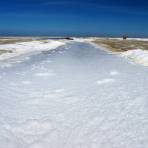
[[74, 96]]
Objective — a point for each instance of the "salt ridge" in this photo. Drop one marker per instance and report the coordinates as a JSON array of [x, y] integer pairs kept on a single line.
[[27, 47], [138, 56]]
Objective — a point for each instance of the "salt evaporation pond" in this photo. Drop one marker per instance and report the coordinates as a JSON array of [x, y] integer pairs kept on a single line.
[[71, 97]]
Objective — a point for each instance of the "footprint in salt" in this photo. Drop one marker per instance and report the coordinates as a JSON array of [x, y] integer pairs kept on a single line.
[[67, 47], [114, 72], [19, 61], [26, 82], [106, 81], [27, 58], [49, 61], [59, 90], [44, 74]]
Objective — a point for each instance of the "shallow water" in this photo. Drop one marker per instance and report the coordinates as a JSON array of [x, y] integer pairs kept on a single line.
[[74, 96]]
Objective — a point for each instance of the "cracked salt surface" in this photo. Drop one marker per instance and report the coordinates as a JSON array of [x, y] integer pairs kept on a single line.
[[94, 99]]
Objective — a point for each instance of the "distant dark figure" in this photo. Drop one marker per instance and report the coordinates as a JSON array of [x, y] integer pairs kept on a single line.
[[125, 37], [69, 38]]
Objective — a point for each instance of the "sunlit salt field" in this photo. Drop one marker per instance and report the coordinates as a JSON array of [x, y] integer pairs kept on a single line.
[[74, 96]]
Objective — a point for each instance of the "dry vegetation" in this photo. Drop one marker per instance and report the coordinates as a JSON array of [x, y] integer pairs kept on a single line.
[[116, 45], [13, 40]]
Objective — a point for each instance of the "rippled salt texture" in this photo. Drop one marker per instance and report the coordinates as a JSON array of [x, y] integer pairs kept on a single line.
[[71, 97]]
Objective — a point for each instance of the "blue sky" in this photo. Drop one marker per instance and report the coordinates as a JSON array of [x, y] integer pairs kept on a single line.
[[74, 17]]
